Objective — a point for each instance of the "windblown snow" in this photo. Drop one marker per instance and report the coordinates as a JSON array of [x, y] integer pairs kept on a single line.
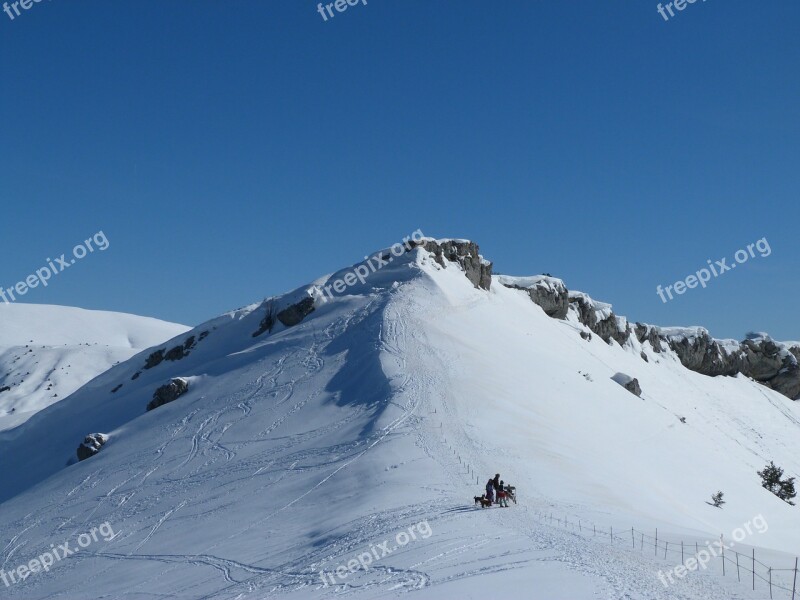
[[384, 411], [48, 352]]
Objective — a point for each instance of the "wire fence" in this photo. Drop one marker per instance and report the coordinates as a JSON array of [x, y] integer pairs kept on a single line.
[[782, 583]]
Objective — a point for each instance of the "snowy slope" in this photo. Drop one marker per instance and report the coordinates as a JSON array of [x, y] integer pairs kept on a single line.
[[386, 409], [47, 352]]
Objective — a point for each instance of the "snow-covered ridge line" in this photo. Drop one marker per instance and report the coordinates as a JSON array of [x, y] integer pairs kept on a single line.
[[772, 363]]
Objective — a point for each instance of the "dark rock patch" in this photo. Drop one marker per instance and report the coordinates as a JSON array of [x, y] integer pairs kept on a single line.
[[170, 392], [91, 445]]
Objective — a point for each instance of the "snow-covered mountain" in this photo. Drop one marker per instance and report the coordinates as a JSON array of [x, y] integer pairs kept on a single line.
[[259, 453], [48, 352]]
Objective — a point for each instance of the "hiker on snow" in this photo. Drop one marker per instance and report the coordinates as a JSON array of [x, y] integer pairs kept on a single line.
[[490, 491]]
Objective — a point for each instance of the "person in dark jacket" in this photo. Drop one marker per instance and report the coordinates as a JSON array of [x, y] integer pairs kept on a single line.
[[496, 482], [490, 490]]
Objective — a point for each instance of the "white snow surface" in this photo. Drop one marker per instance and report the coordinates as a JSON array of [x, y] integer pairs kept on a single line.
[[389, 406], [47, 352]]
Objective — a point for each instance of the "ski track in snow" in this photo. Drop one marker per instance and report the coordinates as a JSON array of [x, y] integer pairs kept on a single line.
[[203, 463]]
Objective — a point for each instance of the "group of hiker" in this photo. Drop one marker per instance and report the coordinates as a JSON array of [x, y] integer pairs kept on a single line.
[[497, 492]]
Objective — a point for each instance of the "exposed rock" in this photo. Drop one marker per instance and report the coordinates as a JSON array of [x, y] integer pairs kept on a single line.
[[586, 335], [648, 333], [170, 392], [548, 292], [629, 383], [91, 445], [154, 359], [268, 322], [5, 388], [698, 351], [175, 353], [465, 253], [775, 365], [296, 312], [763, 358], [599, 317]]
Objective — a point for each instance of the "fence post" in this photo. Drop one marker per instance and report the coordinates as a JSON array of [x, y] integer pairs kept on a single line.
[[794, 586], [656, 541], [594, 528], [739, 577], [770, 582], [642, 546], [633, 539], [682, 552], [612, 535], [723, 555], [579, 526], [666, 546], [754, 568]]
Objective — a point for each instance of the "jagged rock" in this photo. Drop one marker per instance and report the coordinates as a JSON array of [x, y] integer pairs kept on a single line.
[[465, 253], [586, 335], [170, 392], [648, 333], [154, 359], [175, 353], [599, 317], [5, 388], [91, 445], [296, 312], [763, 358], [775, 365], [698, 351], [629, 383], [548, 292]]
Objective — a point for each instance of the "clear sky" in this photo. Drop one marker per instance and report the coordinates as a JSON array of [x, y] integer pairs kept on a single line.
[[234, 150]]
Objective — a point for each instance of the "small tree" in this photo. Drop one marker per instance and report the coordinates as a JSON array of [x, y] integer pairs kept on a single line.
[[716, 500], [771, 479]]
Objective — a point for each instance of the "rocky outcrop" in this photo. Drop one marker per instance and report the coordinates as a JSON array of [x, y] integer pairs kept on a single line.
[[698, 351], [629, 383], [177, 353], [771, 363], [648, 333], [548, 292], [289, 316], [477, 269], [296, 312], [599, 317], [774, 364], [91, 445], [170, 392]]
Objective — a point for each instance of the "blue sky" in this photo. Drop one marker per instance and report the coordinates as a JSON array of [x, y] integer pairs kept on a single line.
[[231, 151]]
